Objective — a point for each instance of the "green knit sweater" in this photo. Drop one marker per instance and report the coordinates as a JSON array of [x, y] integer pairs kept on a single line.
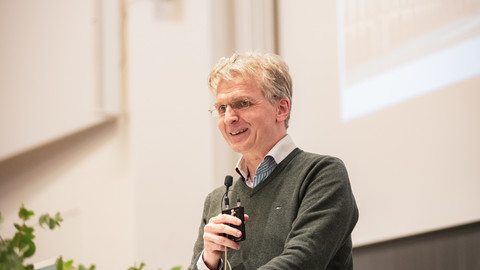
[[301, 216]]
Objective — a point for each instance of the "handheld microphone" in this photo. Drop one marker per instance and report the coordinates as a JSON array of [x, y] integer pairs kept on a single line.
[[228, 184], [235, 211]]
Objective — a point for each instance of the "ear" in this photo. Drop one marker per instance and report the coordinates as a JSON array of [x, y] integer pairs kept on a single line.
[[283, 109]]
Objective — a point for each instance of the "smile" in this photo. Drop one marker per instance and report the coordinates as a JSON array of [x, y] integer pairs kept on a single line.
[[238, 132]]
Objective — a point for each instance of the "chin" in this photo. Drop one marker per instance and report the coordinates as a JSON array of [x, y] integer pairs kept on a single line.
[[239, 144], [236, 147]]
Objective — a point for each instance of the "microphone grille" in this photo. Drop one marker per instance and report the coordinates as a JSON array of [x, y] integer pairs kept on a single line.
[[228, 180]]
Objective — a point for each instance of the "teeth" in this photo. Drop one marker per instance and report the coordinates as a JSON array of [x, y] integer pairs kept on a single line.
[[238, 132]]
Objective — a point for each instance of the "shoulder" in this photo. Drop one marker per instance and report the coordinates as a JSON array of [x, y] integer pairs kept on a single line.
[[308, 159], [323, 171], [319, 157]]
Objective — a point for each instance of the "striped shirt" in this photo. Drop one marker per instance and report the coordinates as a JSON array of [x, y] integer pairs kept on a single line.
[[281, 150]]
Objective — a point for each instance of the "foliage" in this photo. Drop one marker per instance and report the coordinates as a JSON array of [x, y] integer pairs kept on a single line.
[[68, 265], [13, 252], [143, 265], [137, 268]]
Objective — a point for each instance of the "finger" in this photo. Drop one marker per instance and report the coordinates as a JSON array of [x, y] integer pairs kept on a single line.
[[219, 242], [220, 229], [225, 219], [246, 218], [213, 247]]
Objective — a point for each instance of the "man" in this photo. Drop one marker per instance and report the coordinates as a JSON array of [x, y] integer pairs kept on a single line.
[[299, 206]]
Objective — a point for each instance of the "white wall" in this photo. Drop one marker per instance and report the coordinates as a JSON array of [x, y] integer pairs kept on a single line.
[[30, 40], [86, 178], [171, 129], [130, 191], [414, 165]]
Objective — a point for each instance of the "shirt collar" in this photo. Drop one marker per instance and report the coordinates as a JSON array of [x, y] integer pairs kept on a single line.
[[279, 152]]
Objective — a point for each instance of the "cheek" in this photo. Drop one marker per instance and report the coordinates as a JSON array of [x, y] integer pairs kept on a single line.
[[220, 125]]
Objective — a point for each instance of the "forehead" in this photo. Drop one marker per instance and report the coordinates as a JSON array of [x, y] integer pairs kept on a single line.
[[237, 88]]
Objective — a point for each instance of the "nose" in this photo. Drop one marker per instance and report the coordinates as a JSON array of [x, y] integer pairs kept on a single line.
[[230, 116]]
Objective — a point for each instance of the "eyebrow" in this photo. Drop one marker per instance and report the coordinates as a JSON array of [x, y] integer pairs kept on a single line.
[[241, 98]]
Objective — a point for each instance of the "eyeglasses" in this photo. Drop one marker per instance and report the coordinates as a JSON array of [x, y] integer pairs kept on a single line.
[[237, 105]]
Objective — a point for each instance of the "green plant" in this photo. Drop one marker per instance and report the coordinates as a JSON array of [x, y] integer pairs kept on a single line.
[[13, 252], [137, 268], [143, 265], [68, 265]]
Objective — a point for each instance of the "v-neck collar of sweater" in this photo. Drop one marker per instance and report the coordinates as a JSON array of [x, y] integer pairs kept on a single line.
[[241, 185]]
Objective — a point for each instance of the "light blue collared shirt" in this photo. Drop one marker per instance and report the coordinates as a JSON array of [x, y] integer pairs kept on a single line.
[[279, 152]]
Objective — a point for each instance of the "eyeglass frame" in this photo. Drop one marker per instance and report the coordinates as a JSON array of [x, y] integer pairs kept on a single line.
[[236, 105]]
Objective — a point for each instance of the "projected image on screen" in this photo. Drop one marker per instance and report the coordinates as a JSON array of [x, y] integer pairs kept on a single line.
[[391, 51]]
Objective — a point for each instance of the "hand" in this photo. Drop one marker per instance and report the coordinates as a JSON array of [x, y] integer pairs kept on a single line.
[[214, 243]]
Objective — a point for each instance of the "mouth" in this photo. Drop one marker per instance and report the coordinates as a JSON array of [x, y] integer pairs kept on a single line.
[[238, 132]]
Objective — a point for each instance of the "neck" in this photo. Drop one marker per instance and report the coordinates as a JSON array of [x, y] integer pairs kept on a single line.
[[253, 160]]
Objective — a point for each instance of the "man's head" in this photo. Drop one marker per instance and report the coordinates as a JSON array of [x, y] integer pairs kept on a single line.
[[268, 71], [253, 94]]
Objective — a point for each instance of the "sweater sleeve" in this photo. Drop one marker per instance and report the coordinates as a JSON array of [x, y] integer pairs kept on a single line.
[[327, 213], [211, 208], [198, 247]]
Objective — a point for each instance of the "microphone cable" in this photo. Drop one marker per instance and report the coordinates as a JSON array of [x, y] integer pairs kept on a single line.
[[227, 262]]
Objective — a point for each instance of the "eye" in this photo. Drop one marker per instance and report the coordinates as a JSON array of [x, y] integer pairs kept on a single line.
[[222, 108], [243, 104]]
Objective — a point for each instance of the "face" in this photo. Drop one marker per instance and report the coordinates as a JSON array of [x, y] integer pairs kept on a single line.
[[251, 131]]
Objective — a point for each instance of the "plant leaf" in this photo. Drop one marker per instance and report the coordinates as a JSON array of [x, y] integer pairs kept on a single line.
[[58, 218], [43, 219], [68, 264], [135, 267], [60, 263], [24, 213], [27, 249], [51, 222]]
